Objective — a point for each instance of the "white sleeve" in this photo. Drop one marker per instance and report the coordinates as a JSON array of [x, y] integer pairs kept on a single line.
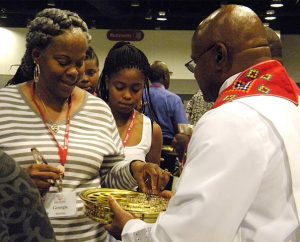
[[136, 230], [226, 161]]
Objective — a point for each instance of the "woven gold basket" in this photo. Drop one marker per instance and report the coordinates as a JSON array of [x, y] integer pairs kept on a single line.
[[144, 207]]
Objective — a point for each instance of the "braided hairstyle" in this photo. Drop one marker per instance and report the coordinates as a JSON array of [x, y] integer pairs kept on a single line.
[[47, 24], [91, 55], [121, 56]]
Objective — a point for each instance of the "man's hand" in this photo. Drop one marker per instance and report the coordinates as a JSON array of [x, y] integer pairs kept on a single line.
[[121, 217], [149, 176], [180, 143]]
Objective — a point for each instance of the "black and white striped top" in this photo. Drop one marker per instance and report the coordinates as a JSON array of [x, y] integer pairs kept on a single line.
[[94, 148]]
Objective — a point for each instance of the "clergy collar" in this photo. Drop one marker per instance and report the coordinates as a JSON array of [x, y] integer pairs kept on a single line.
[[228, 82]]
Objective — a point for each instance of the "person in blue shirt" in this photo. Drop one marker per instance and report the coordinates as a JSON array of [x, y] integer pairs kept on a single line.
[[167, 105], [169, 110]]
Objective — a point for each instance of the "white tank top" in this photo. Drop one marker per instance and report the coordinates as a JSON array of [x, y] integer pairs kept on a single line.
[[139, 151]]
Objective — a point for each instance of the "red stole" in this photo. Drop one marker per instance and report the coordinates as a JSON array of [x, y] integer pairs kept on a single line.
[[267, 78]]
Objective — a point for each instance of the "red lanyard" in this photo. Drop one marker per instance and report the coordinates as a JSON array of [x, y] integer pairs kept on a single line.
[[62, 151], [128, 133]]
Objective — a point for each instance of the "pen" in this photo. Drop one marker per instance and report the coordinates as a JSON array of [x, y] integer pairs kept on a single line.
[[39, 159]]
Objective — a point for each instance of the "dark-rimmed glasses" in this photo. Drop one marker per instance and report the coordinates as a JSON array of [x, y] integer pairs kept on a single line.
[[191, 65]]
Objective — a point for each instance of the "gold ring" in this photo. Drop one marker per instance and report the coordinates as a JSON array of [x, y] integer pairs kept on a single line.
[[165, 170]]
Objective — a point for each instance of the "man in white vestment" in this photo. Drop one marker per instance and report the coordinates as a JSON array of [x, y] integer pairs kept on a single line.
[[241, 180]]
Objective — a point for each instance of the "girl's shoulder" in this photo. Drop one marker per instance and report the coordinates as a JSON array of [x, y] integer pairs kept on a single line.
[[143, 118]]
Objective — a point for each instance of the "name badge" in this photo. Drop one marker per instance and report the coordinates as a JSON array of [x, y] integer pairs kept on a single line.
[[61, 204]]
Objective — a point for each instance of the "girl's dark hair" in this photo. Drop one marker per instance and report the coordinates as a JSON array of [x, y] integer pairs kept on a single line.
[[121, 56], [47, 24], [91, 55]]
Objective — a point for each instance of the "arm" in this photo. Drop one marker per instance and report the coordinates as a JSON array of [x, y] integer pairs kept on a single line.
[[115, 171], [119, 173], [154, 153], [179, 111], [222, 175], [180, 144], [22, 214]]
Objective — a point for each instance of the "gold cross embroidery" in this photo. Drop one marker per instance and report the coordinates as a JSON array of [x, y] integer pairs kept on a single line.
[[267, 77], [253, 74], [262, 88], [229, 98]]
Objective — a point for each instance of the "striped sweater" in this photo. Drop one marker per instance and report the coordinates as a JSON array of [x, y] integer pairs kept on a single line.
[[95, 153]]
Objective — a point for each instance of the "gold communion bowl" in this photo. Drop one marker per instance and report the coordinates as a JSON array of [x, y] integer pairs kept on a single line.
[[144, 207]]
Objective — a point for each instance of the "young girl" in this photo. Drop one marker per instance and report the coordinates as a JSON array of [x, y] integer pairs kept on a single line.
[[122, 83]]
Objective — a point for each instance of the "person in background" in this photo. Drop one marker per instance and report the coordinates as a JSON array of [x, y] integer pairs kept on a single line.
[[275, 44], [17, 78], [90, 79], [74, 131], [167, 80], [241, 178], [196, 107], [169, 110], [22, 214], [123, 80], [167, 105]]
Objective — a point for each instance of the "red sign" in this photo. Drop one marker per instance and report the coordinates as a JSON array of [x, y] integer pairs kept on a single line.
[[125, 35]]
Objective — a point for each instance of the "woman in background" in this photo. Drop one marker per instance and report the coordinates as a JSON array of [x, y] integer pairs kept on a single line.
[[76, 132], [90, 79], [123, 80]]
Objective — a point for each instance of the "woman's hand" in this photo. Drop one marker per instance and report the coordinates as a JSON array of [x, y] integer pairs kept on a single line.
[[166, 194], [150, 177], [43, 176]]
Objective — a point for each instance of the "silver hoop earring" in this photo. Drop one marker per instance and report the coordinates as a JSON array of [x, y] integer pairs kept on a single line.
[[36, 72]]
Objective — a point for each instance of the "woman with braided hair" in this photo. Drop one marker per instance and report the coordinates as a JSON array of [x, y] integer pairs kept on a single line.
[[90, 79], [75, 131], [122, 82]]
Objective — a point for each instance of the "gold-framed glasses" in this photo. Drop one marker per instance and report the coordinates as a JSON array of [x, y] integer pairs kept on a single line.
[[191, 65]]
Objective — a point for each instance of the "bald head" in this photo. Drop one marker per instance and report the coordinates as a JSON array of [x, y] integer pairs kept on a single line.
[[235, 25], [159, 65], [159, 72], [275, 44], [234, 38]]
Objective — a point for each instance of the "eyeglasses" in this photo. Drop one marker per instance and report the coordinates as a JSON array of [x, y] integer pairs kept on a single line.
[[191, 65]]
